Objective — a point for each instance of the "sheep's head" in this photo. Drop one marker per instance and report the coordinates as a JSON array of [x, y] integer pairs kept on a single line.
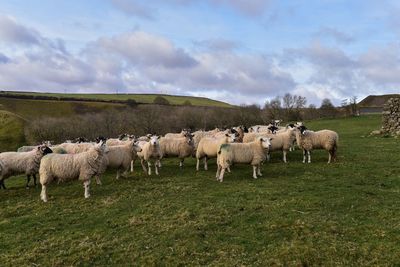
[[302, 129], [80, 140], [189, 139], [231, 138], [266, 142], [101, 147], [154, 140], [273, 129], [44, 149], [100, 138], [136, 147], [122, 136]]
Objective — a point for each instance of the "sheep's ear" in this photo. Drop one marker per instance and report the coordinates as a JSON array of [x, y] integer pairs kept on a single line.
[[227, 135], [158, 137]]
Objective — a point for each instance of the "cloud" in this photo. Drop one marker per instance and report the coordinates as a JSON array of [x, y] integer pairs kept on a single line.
[[247, 7], [15, 33], [134, 8], [216, 44], [338, 36], [144, 49]]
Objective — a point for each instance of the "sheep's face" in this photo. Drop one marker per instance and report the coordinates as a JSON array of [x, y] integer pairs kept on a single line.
[[101, 138], [80, 140], [136, 147], [45, 149], [266, 142], [122, 136], [302, 129], [231, 137], [101, 147], [154, 140], [273, 129]]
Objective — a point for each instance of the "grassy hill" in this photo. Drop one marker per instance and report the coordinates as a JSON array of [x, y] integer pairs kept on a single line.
[[28, 108], [140, 98], [343, 214], [11, 131]]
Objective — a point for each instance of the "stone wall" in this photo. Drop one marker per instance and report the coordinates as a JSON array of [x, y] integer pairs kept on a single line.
[[391, 116]]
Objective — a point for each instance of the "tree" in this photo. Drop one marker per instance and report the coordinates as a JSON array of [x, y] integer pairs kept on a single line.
[[353, 105], [131, 103], [159, 100], [187, 103], [327, 109], [273, 109], [293, 105]]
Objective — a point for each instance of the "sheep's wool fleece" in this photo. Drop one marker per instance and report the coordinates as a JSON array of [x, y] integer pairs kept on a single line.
[[325, 139], [252, 153], [20, 162], [65, 167]]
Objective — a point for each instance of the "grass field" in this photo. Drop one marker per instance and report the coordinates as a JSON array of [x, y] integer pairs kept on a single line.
[[343, 214], [140, 98], [11, 131]]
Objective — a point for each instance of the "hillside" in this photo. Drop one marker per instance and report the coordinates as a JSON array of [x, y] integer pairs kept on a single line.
[[139, 98], [32, 109], [11, 131], [376, 100]]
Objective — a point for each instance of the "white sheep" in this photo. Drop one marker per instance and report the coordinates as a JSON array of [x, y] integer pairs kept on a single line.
[[150, 151], [74, 148], [65, 167], [183, 133], [253, 153], [208, 148], [16, 163], [182, 147], [120, 158], [323, 139]]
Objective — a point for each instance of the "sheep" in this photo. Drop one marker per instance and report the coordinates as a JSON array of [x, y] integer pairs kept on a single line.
[[119, 157], [15, 163], [121, 140], [64, 167], [324, 139], [182, 147], [253, 153], [145, 138], [74, 148], [177, 135], [241, 131], [30, 148], [150, 150], [208, 148]]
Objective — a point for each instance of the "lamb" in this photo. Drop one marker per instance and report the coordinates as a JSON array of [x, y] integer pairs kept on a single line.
[[64, 167], [150, 151], [241, 131], [323, 139], [208, 148], [121, 140], [182, 147], [119, 157], [16, 163], [253, 153]]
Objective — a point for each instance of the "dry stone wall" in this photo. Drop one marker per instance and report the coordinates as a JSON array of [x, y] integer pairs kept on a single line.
[[391, 116]]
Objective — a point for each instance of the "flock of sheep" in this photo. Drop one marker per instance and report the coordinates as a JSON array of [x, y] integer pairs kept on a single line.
[[84, 160]]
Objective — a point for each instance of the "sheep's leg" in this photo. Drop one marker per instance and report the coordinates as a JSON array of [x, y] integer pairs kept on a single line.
[[149, 167], [284, 156], [159, 163], [229, 169], [268, 156], [198, 164], [118, 174], [255, 172], [309, 156], [43, 194], [218, 171], [304, 156], [98, 180], [131, 165], [28, 179], [156, 168], [205, 164], [34, 179], [143, 165], [221, 175], [181, 163], [259, 170], [2, 185], [86, 184]]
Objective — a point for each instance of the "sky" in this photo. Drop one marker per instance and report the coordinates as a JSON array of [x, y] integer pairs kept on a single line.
[[237, 51]]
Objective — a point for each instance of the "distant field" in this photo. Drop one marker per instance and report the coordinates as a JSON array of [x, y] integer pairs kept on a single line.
[[343, 214], [141, 98]]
